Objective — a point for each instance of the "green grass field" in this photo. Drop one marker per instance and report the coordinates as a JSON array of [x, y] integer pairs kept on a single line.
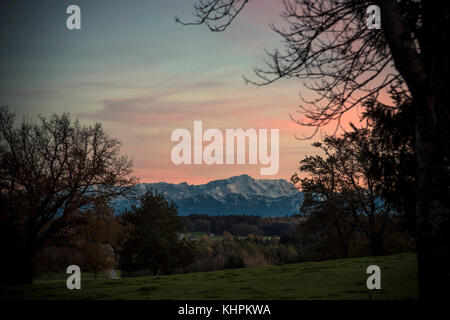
[[333, 279]]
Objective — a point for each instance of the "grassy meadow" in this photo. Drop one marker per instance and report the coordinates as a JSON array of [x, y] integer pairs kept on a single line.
[[332, 279]]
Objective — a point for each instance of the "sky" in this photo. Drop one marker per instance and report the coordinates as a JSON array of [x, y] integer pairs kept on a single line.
[[140, 74]]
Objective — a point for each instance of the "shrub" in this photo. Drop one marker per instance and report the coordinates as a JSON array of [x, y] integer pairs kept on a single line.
[[234, 261]]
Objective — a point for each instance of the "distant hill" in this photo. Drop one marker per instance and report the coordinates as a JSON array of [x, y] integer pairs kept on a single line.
[[236, 195]]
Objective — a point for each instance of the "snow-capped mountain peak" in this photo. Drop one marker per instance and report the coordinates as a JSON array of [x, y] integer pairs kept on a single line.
[[235, 195]]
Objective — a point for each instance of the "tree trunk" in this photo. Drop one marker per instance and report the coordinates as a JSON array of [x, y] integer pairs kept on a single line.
[[18, 268], [376, 245], [432, 213], [427, 76], [345, 249]]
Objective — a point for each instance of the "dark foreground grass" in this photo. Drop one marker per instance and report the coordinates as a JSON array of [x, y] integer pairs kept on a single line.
[[333, 279]]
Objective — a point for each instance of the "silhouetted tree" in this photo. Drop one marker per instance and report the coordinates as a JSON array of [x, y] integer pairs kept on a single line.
[[98, 236], [393, 159], [328, 41], [342, 193], [326, 198], [154, 240], [372, 214], [48, 171]]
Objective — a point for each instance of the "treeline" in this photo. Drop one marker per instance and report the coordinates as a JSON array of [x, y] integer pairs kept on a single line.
[[241, 225], [233, 252]]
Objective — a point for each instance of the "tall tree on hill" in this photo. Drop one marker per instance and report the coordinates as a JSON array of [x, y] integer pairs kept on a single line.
[[48, 171], [329, 42]]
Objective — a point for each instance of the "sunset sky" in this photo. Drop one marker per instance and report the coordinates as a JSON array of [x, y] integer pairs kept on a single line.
[[132, 68]]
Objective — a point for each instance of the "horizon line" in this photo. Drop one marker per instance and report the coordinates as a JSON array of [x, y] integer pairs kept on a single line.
[[197, 184]]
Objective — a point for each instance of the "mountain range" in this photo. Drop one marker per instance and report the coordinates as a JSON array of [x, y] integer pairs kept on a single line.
[[236, 195]]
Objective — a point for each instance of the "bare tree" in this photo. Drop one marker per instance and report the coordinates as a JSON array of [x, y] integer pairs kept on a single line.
[[49, 170], [345, 62]]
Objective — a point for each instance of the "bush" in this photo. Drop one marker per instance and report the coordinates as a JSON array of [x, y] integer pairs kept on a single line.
[[234, 261], [255, 259], [288, 254]]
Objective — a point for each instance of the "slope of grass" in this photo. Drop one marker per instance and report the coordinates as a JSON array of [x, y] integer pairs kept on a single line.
[[333, 279]]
